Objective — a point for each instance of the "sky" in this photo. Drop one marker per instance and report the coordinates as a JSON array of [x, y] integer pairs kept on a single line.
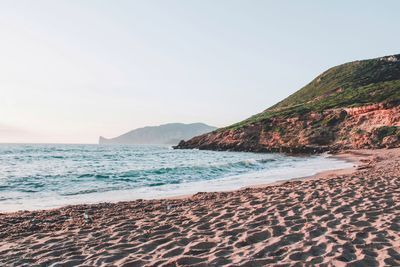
[[73, 70]]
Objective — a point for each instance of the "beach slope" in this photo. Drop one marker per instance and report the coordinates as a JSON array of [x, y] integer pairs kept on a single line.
[[347, 219]]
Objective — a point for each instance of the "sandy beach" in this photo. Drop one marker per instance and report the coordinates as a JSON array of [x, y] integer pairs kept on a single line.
[[339, 218]]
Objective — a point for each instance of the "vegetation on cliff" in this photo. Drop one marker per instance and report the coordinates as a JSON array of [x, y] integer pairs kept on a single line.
[[352, 84], [354, 105]]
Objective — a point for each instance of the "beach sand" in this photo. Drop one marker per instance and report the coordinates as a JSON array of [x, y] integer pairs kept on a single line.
[[340, 218]]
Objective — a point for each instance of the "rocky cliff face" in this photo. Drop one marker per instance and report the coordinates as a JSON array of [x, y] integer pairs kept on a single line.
[[372, 126], [353, 105]]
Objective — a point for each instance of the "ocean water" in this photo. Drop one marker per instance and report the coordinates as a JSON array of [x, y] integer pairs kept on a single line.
[[47, 176]]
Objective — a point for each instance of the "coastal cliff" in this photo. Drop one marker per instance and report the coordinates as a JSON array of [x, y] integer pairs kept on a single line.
[[352, 106], [166, 134]]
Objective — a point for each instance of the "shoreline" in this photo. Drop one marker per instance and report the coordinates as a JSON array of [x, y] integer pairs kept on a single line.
[[347, 156], [342, 218]]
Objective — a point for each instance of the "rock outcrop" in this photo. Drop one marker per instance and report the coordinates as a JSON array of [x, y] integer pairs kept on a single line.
[[352, 106], [366, 127]]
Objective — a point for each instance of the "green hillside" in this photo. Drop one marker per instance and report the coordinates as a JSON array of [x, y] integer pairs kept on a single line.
[[352, 84]]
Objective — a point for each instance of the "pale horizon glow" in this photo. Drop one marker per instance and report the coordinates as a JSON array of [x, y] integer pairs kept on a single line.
[[73, 70]]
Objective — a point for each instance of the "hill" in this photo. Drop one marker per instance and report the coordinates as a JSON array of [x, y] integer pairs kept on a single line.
[[170, 133], [353, 105]]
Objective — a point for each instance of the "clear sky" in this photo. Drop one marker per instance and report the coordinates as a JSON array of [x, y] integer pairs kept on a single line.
[[73, 70]]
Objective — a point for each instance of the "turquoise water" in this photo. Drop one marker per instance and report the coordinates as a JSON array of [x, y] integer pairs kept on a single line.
[[46, 176]]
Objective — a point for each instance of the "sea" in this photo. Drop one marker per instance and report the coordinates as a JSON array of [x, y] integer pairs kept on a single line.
[[44, 176]]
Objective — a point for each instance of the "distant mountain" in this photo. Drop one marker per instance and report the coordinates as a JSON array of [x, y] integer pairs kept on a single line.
[[353, 105], [170, 133]]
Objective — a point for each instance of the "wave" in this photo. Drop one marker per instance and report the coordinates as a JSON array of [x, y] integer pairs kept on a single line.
[[84, 169], [183, 173], [66, 174]]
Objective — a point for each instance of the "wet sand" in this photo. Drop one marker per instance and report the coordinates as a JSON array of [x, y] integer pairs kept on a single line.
[[337, 218]]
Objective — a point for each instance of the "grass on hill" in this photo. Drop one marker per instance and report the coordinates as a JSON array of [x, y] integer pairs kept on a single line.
[[352, 84]]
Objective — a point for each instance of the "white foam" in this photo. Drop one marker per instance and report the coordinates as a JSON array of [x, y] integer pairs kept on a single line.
[[302, 168]]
